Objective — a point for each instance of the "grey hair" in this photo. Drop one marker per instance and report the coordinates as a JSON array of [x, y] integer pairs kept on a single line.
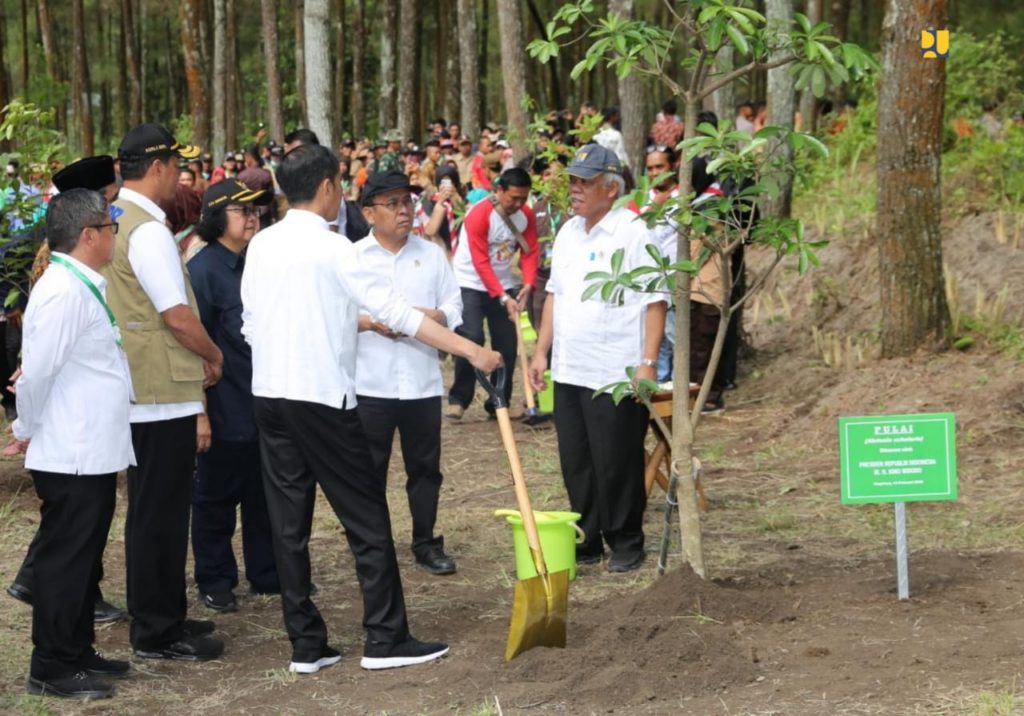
[[71, 211], [615, 178]]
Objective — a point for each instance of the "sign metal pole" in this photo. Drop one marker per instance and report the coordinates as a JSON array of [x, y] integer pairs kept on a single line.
[[902, 581]]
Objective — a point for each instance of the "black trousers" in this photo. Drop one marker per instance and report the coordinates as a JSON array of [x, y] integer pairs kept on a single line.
[[156, 529], [419, 429], [228, 476], [76, 514], [27, 577], [601, 448], [302, 445], [704, 320], [477, 306]]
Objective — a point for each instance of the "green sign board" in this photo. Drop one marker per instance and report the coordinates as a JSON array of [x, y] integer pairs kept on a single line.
[[897, 458]]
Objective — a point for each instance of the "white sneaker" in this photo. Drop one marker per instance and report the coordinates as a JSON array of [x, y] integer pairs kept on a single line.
[[328, 657], [407, 653]]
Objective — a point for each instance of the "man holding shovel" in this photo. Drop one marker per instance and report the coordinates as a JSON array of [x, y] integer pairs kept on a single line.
[[600, 444]]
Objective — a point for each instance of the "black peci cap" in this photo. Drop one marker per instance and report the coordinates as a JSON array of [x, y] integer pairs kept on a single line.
[[93, 173]]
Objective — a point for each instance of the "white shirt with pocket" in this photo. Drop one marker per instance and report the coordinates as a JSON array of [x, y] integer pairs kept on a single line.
[[75, 389], [594, 340], [302, 288], [404, 368]]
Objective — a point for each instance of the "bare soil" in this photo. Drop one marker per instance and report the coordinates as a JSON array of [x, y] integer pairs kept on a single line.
[[800, 615]]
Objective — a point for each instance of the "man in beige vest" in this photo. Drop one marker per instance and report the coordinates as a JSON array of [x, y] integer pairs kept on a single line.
[[172, 359]]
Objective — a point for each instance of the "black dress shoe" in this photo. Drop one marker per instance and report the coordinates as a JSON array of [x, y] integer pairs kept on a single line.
[[98, 665], [103, 612], [435, 561], [220, 601], [626, 562], [197, 627], [22, 594], [589, 557], [75, 686], [190, 648]]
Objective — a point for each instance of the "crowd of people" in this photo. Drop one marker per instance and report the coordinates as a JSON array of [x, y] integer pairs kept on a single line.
[[235, 335]]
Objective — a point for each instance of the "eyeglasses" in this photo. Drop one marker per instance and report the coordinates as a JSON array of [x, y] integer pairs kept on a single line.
[[663, 148], [396, 204], [246, 211], [113, 227]]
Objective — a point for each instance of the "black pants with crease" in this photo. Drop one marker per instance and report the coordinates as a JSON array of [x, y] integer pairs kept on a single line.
[[418, 423], [477, 307], [601, 449], [76, 514], [303, 445]]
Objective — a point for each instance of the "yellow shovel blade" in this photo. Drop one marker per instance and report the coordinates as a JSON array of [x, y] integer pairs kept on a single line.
[[539, 613]]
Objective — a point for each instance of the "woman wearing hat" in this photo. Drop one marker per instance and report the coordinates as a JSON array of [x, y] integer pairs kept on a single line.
[[228, 467]]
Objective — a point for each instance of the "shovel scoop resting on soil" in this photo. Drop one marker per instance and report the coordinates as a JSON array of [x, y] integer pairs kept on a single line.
[[541, 604]]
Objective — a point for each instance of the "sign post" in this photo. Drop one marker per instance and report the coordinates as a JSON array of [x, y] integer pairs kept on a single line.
[[898, 459]]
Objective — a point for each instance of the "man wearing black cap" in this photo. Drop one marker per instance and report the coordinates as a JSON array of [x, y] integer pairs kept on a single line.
[[398, 379], [600, 444], [95, 174], [302, 289], [172, 359]]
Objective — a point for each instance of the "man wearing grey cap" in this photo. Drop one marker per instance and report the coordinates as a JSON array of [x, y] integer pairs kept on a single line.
[[600, 444]]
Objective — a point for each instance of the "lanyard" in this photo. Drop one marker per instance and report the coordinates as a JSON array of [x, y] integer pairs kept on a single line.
[[54, 258]]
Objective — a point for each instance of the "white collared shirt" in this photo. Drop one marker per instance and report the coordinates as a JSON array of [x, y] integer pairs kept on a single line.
[[595, 341], [405, 368], [301, 291], [153, 255], [74, 392]]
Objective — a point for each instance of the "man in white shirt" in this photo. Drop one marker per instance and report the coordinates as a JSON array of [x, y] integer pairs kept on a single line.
[[600, 444], [398, 379], [73, 396], [172, 359], [302, 289]]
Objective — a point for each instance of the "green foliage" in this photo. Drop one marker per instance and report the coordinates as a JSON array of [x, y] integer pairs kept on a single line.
[[982, 71]]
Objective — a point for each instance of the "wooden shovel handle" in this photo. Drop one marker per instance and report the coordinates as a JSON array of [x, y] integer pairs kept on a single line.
[[524, 366], [522, 496]]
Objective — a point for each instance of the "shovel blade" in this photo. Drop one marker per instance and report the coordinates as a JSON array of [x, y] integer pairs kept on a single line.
[[539, 613]]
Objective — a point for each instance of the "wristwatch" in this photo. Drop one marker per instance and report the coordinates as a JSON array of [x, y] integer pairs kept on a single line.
[[649, 362], [504, 298]]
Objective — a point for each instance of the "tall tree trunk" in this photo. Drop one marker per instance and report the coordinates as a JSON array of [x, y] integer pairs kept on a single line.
[[781, 104], [143, 52], [190, 13], [339, 65], [469, 99], [839, 16], [358, 68], [481, 59], [631, 105], [24, 48], [122, 79], [450, 60], [513, 71], [5, 88], [53, 66], [555, 81], [808, 102], [910, 103], [408, 36], [83, 92], [300, 61], [724, 100], [131, 56], [317, 19], [174, 95], [218, 141], [105, 49], [386, 98], [232, 101], [268, 11]]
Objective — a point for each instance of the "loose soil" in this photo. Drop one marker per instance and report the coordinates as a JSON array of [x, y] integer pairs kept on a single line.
[[799, 615]]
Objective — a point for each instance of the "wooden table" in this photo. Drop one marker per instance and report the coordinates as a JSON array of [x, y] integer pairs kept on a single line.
[[658, 462]]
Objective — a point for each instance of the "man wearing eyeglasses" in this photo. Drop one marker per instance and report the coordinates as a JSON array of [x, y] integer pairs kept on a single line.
[[398, 379], [172, 359], [74, 396]]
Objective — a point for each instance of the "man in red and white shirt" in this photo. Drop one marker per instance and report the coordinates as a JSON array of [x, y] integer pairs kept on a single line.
[[492, 232]]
